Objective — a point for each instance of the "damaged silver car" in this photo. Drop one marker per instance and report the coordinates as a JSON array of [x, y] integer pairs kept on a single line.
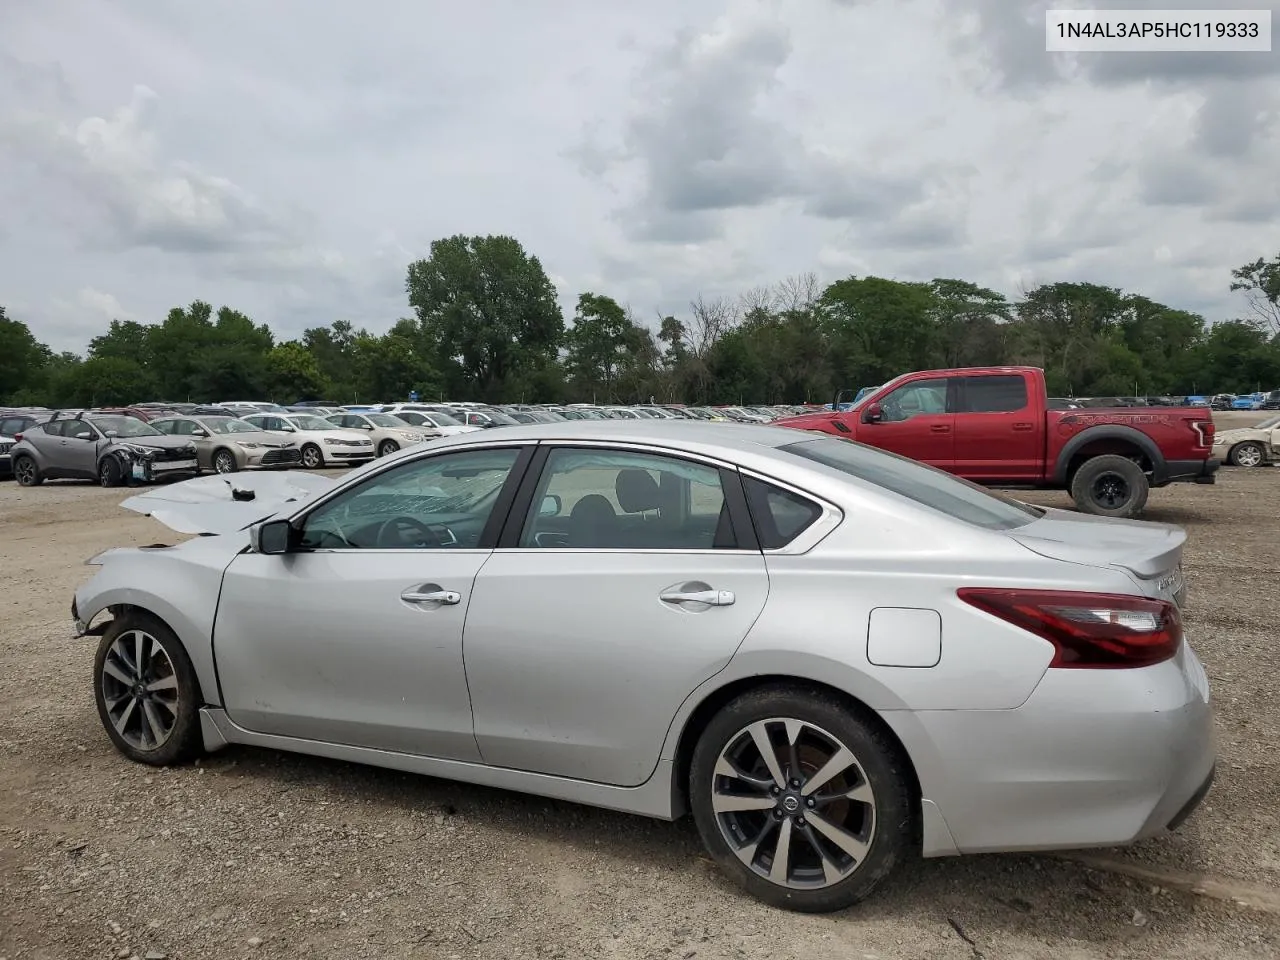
[[114, 450]]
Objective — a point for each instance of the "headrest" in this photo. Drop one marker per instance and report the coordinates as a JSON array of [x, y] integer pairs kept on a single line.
[[636, 490]]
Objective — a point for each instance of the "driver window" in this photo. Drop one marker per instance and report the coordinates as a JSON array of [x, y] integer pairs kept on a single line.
[[914, 399], [437, 502]]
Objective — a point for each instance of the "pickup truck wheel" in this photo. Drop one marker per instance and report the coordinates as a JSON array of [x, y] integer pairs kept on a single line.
[[1110, 486], [1246, 454]]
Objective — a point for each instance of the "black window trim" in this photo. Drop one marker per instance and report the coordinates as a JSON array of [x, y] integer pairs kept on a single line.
[[731, 486]]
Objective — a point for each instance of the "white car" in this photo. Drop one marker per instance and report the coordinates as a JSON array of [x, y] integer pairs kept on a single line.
[[432, 421], [388, 432], [322, 443]]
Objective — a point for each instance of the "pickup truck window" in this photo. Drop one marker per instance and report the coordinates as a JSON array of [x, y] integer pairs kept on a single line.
[[927, 486], [915, 398], [993, 394]]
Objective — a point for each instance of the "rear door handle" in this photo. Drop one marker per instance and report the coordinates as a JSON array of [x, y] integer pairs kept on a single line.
[[714, 598], [431, 596], [1023, 427], [940, 428]]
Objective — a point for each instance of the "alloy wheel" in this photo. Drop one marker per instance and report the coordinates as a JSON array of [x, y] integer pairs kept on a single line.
[[140, 690], [793, 803], [1111, 490], [25, 471], [311, 457], [1248, 455], [224, 462]]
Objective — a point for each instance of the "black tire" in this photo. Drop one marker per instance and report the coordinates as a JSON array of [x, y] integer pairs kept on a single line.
[[387, 447], [1110, 486], [1247, 454], [26, 472], [886, 770], [224, 461], [184, 741], [110, 473], [312, 457]]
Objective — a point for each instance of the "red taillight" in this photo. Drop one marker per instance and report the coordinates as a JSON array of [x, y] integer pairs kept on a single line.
[[1088, 630], [17, 437], [1204, 430]]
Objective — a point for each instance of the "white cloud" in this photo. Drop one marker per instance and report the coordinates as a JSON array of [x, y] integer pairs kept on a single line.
[[652, 152]]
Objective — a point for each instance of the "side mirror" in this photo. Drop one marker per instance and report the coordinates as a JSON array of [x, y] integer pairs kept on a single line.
[[873, 414], [199, 433], [368, 426], [89, 436], [270, 537], [551, 505]]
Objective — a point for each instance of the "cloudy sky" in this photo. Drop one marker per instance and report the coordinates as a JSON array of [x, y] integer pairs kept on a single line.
[[290, 157]]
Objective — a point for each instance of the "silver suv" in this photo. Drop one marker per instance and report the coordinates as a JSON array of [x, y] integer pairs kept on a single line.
[[110, 449]]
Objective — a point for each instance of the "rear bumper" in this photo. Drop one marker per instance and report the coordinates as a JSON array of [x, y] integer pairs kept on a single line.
[[1190, 471], [1094, 758]]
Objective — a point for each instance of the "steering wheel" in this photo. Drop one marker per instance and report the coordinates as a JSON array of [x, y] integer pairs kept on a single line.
[[427, 536]]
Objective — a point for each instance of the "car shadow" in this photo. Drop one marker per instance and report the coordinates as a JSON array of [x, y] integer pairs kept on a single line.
[[984, 900]]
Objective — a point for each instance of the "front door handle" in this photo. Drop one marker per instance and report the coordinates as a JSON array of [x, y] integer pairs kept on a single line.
[[714, 598], [431, 596], [940, 428]]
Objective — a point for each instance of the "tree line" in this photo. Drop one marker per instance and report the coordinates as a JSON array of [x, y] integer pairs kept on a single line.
[[486, 324]]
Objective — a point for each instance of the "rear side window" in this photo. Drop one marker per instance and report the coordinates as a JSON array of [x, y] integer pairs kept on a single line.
[[55, 428], [779, 515], [993, 394], [927, 486]]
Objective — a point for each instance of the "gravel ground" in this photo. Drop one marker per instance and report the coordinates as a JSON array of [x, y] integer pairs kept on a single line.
[[256, 854]]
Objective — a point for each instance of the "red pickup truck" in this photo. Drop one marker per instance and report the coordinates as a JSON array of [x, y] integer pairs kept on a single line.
[[992, 425]]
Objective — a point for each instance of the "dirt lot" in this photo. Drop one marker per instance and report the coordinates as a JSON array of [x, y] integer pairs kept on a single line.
[[257, 854]]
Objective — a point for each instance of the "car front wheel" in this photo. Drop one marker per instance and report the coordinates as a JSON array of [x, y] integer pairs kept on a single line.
[[804, 803], [224, 461], [387, 447], [146, 691], [312, 458]]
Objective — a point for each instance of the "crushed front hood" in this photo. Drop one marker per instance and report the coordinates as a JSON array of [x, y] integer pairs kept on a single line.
[[226, 503]]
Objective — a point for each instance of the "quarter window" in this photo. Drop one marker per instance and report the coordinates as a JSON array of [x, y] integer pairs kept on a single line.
[[441, 502], [779, 515], [614, 499]]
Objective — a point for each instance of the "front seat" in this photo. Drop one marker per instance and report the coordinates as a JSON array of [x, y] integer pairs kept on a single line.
[[592, 522]]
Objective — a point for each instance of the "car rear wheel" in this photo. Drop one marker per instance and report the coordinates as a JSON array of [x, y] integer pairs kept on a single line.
[[224, 461], [26, 472], [146, 691], [1110, 486], [387, 447], [802, 802], [109, 472], [1248, 454], [312, 458]]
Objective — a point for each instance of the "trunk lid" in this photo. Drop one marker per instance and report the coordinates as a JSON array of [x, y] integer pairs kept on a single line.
[[1150, 553]]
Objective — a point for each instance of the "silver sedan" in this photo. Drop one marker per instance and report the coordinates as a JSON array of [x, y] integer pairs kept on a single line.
[[830, 656]]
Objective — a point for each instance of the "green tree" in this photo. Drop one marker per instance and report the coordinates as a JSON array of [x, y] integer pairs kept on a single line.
[[489, 308], [294, 373], [22, 358], [1260, 281]]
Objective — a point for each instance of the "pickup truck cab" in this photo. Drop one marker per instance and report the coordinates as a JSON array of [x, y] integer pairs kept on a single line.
[[994, 426]]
